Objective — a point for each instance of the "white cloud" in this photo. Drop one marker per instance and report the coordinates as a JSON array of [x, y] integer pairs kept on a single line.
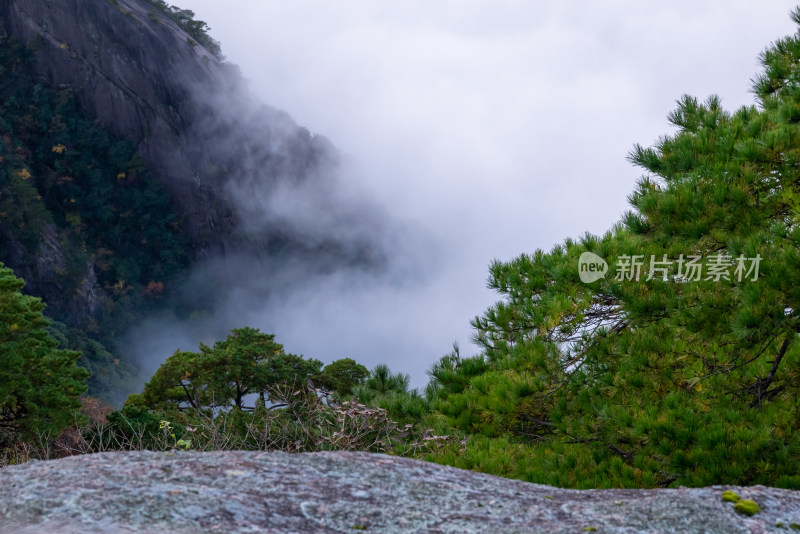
[[500, 126]]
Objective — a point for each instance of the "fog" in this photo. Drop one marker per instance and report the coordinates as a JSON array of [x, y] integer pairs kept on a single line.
[[476, 130]]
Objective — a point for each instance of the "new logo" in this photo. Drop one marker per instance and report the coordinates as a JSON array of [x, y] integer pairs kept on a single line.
[[591, 267]]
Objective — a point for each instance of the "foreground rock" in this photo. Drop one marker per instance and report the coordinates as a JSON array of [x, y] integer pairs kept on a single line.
[[237, 492]]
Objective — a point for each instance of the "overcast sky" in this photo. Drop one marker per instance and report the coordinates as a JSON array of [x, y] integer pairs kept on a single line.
[[495, 127]]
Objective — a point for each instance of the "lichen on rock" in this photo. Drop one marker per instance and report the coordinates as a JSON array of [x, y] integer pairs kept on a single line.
[[245, 491]]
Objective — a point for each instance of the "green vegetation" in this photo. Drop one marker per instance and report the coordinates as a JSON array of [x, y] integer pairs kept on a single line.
[[80, 216], [664, 380], [747, 507], [341, 376], [681, 370], [196, 401], [39, 384], [730, 496], [197, 29], [248, 362]]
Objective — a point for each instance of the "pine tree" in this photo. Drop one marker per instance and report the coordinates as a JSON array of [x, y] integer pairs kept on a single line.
[[247, 362], [40, 385], [341, 376], [665, 378]]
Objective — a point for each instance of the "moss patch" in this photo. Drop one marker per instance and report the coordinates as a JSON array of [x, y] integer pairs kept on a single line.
[[730, 496], [747, 507]]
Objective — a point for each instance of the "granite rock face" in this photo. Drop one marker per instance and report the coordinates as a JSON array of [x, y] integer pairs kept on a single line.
[[252, 191], [197, 127], [239, 492]]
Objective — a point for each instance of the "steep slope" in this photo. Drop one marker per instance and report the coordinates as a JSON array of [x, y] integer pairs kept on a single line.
[[137, 72], [129, 153]]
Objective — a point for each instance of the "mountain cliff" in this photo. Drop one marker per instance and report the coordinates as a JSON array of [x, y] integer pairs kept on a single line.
[[136, 71], [129, 152]]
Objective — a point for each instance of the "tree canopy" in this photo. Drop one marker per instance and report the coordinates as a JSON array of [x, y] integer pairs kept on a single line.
[[341, 376], [197, 29], [679, 366], [247, 362], [71, 188], [40, 385]]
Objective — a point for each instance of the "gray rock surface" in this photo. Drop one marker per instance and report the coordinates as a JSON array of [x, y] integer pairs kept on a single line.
[[239, 492]]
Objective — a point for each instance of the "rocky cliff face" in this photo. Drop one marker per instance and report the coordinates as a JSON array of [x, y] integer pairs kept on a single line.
[[215, 182], [238, 491], [136, 71]]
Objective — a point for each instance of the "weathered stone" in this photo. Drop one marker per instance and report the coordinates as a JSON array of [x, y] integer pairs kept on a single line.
[[238, 492]]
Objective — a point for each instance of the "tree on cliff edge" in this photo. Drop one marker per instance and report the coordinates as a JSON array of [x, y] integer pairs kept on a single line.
[[247, 362], [40, 384]]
